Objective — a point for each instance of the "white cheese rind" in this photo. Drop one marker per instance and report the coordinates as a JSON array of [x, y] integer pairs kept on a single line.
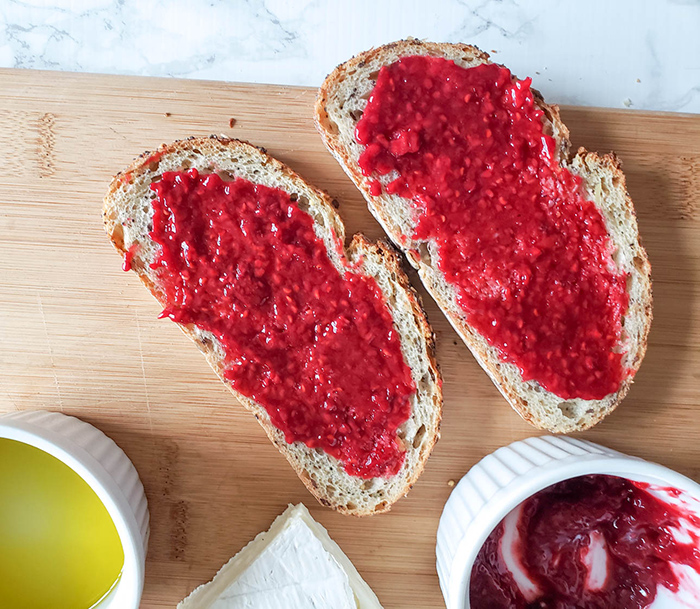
[[293, 564]]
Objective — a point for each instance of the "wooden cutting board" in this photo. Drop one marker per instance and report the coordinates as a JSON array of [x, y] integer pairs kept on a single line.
[[80, 336]]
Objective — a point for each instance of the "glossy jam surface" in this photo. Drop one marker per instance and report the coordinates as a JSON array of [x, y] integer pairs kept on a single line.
[[59, 548], [526, 251], [593, 542], [316, 348]]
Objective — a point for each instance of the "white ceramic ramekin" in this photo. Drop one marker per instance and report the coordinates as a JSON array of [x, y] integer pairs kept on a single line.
[[508, 476], [109, 472]]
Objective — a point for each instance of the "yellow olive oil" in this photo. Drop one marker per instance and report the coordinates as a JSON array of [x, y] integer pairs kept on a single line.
[[59, 548]]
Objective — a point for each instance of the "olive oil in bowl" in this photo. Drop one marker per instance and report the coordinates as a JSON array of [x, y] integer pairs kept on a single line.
[[59, 548]]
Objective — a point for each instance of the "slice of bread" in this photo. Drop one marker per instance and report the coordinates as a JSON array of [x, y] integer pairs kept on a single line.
[[128, 215], [339, 106]]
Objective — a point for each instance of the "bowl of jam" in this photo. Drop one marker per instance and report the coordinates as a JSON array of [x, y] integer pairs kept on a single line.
[[560, 523]]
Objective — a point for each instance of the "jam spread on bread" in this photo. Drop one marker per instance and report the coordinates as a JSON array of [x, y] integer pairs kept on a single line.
[[526, 251], [129, 257], [316, 347], [593, 542]]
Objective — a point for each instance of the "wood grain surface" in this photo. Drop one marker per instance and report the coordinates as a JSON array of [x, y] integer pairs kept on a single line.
[[80, 336]]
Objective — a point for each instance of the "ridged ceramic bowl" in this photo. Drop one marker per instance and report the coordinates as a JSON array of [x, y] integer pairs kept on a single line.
[[109, 472], [508, 476]]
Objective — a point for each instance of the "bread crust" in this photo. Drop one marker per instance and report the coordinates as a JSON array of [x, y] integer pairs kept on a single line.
[[359, 247], [606, 167]]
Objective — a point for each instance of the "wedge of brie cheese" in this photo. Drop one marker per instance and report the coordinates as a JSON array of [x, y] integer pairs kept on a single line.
[[295, 564]]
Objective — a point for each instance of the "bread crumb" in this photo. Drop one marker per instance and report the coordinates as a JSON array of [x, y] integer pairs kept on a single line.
[[638, 80], [231, 123], [168, 114], [450, 483]]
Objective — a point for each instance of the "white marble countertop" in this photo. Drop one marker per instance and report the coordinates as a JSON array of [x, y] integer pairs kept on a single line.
[[642, 54]]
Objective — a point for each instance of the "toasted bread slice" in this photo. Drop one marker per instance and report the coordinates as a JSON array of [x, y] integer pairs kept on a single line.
[[128, 214], [339, 106]]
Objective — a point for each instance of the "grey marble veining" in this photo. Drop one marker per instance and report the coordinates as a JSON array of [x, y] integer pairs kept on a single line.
[[641, 54]]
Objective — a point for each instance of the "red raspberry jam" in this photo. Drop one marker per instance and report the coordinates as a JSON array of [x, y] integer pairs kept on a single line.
[[526, 251], [593, 542], [129, 256], [316, 348]]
